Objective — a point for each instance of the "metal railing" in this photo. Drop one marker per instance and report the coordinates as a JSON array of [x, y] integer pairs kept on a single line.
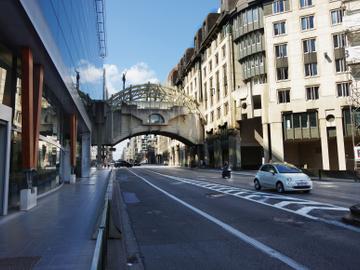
[[100, 253]]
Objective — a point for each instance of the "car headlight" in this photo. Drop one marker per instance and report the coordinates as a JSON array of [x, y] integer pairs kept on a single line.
[[289, 181]]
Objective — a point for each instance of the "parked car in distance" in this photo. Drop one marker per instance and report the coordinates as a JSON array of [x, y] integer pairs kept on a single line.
[[122, 163], [283, 177]]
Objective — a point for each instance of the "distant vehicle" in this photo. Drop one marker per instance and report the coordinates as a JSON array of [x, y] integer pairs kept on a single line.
[[136, 163], [283, 177], [122, 163], [226, 171]]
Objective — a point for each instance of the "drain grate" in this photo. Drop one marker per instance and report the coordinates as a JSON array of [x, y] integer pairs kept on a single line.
[[18, 263]]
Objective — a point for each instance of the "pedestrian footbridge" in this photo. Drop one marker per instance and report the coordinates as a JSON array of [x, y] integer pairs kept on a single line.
[[147, 109]]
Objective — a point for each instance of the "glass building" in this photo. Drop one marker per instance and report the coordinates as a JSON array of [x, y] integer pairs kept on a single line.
[[47, 48]]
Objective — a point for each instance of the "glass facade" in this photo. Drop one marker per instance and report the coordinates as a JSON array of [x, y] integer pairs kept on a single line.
[[69, 32]]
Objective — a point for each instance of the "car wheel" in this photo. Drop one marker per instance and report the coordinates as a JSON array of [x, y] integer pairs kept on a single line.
[[279, 187], [257, 184]]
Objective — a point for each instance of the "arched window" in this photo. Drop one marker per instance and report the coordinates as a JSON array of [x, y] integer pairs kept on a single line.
[[156, 119]]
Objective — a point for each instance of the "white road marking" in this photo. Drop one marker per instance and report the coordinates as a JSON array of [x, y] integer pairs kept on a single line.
[[240, 193], [242, 236], [261, 200], [286, 203], [307, 209]]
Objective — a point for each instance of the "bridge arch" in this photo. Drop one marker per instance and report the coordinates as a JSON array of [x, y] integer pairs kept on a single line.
[[158, 133], [148, 109]]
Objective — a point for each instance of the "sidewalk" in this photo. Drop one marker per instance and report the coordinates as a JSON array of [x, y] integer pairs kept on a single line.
[[57, 233]]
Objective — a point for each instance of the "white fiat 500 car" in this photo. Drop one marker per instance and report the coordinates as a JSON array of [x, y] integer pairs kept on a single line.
[[282, 177]]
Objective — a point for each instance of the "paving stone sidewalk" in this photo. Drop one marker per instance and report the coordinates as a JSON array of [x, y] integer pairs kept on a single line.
[[57, 233]]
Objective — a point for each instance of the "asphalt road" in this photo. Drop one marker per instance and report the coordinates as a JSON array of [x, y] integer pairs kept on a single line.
[[192, 219]]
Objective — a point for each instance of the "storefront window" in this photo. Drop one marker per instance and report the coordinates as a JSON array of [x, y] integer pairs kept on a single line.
[[5, 66], [47, 175]]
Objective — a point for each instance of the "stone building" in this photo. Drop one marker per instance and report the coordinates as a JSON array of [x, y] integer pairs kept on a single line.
[[266, 87]]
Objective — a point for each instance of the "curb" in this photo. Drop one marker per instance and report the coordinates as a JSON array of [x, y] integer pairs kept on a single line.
[[130, 245]]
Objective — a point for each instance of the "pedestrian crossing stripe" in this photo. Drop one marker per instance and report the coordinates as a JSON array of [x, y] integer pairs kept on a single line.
[[304, 207]]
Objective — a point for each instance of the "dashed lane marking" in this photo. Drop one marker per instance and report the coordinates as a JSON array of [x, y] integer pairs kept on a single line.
[[240, 235], [304, 207]]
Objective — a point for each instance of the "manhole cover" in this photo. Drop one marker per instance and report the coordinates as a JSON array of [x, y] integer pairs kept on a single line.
[[18, 263]]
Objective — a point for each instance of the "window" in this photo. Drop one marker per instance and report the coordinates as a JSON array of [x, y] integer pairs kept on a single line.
[[216, 59], [204, 72], [255, 15], [309, 45], [244, 18], [296, 120], [307, 22], [337, 16], [281, 50], [210, 66], [223, 49], [279, 28], [339, 40], [340, 65], [312, 92], [211, 92], [156, 119], [305, 3], [311, 69], [257, 38], [282, 73], [225, 80], [218, 110], [249, 15], [226, 108], [343, 89], [212, 116], [217, 86], [313, 119], [284, 96], [278, 6]]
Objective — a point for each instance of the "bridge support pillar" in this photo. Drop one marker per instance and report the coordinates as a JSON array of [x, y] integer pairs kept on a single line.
[[65, 164], [235, 149], [177, 156], [85, 154], [218, 161]]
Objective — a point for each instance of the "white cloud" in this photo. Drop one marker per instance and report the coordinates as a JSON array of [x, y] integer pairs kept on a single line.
[[89, 73], [137, 74]]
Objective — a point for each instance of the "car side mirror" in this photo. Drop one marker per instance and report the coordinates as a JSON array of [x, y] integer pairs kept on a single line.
[[273, 172]]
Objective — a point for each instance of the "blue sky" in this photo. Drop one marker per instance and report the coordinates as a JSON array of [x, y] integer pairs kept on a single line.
[[148, 37]]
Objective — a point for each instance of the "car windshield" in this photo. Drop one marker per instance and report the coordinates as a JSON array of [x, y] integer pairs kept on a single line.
[[287, 169]]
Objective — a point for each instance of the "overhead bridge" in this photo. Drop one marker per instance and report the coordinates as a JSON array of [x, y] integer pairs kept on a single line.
[[147, 109]]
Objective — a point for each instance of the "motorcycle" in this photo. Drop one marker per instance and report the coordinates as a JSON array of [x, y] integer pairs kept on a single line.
[[226, 173]]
